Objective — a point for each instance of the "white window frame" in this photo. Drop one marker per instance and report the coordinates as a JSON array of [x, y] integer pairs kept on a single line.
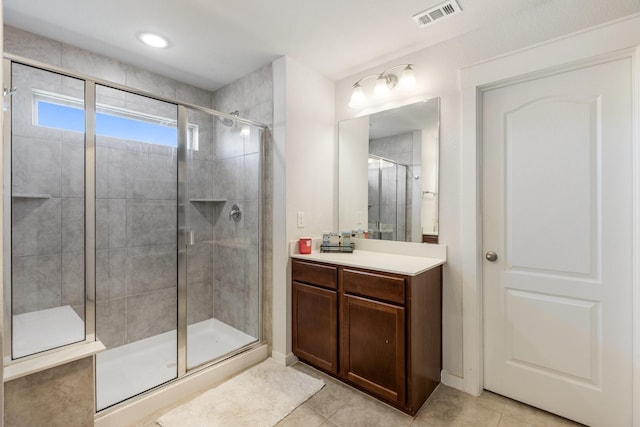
[[38, 95]]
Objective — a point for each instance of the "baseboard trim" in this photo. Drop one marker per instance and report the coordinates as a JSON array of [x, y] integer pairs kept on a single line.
[[451, 380], [286, 360]]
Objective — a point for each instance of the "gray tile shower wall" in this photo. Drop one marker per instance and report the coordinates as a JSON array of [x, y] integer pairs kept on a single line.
[[47, 210], [237, 179], [398, 148], [136, 219], [199, 219], [135, 188]]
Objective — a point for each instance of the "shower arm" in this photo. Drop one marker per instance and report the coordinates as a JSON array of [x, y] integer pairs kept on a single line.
[[228, 120]]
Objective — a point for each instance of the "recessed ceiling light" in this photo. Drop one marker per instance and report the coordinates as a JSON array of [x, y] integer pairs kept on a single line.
[[153, 40]]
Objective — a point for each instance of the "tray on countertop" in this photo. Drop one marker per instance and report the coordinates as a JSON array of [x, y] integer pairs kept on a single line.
[[347, 249]]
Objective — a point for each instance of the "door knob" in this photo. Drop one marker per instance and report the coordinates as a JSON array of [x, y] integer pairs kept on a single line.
[[491, 256]]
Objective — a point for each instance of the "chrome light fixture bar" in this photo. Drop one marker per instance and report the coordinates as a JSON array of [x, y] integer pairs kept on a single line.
[[385, 82]]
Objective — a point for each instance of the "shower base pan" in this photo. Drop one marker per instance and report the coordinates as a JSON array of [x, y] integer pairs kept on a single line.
[[131, 369], [42, 330]]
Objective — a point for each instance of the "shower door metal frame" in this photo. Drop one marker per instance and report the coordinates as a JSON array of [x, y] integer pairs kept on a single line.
[[182, 323], [89, 211], [90, 214], [6, 212]]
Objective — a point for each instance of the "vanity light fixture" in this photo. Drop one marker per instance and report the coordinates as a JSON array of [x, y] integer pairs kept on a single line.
[[385, 81], [153, 40]]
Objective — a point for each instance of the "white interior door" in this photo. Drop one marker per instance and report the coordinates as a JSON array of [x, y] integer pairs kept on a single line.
[[557, 206]]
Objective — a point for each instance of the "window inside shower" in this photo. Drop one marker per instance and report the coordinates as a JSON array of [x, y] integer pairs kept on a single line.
[[55, 110], [135, 221]]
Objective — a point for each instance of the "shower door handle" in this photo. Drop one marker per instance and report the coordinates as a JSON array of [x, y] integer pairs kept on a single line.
[[190, 238]]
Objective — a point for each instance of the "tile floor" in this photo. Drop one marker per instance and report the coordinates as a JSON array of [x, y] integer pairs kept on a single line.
[[340, 405]]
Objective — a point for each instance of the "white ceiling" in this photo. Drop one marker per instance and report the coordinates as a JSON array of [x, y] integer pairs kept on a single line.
[[214, 42]]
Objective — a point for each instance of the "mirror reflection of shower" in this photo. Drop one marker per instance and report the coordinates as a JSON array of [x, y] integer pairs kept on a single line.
[[407, 135], [388, 199]]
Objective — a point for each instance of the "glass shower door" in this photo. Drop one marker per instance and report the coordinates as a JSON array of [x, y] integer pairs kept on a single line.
[[222, 227], [47, 245], [388, 200], [387, 186], [136, 243], [133, 221], [383, 198], [402, 197], [373, 188]]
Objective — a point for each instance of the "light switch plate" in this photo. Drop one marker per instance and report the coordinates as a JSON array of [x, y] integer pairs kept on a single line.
[[300, 219]]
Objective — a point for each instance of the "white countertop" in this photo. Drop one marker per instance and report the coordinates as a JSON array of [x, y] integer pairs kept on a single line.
[[380, 261]]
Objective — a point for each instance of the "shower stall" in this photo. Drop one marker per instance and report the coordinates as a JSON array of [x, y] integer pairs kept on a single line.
[[388, 199], [130, 219]]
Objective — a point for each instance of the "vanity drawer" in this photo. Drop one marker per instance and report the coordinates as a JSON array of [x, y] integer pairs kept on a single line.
[[325, 276], [373, 285]]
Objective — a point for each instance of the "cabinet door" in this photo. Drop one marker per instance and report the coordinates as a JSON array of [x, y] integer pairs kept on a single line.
[[373, 347], [315, 326]]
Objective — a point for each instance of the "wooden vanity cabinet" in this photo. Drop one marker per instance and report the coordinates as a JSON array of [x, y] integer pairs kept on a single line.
[[373, 346], [390, 331], [315, 314]]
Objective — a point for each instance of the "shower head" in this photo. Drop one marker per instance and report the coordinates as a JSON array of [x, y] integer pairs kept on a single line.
[[229, 122]]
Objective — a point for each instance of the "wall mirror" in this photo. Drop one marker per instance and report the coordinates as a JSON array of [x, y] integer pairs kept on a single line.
[[388, 173]]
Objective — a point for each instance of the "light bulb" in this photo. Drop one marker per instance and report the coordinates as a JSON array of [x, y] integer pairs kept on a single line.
[[408, 78], [357, 97], [153, 40], [381, 89]]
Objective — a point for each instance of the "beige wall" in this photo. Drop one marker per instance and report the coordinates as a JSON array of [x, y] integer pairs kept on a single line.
[[437, 73], [303, 177]]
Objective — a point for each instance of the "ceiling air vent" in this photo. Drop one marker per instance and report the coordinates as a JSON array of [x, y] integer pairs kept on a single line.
[[440, 11]]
